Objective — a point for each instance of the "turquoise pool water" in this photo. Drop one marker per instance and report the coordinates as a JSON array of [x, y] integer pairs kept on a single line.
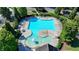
[[36, 25], [39, 24]]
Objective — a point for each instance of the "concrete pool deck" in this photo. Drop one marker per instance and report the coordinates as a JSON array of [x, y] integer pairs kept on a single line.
[[53, 34]]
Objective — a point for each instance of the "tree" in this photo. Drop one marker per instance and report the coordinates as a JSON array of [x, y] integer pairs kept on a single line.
[[7, 41], [40, 9], [8, 27], [5, 12], [73, 13], [58, 10], [69, 30], [17, 15], [22, 11], [77, 19]]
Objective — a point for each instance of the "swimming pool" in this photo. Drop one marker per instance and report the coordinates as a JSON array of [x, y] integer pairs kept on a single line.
[[36, 25], [39, 24]]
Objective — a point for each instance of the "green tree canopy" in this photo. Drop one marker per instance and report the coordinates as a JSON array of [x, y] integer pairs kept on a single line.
[[77, 19], [5, 12], [8, 27], [57, 10], [22, 11], [69, 30], [73, 13], [17, 15], [7, 41]]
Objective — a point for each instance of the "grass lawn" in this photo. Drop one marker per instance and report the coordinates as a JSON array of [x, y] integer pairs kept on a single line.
[[69, 48], [0, 28], [73, 47]]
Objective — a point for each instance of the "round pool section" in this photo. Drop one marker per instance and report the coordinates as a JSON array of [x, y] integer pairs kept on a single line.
[[36, 25]]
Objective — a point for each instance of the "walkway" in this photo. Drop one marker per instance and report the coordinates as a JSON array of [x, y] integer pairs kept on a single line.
[[63, 47]]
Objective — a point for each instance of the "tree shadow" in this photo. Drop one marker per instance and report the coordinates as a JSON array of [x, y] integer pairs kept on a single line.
[[52, 48], [75, 43], [32, 19]]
